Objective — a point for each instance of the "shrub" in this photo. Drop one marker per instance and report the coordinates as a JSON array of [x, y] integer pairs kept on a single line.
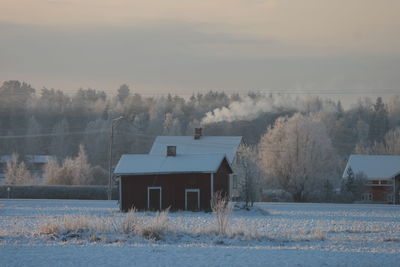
[[73, 171], [17, 173], [222, 211]]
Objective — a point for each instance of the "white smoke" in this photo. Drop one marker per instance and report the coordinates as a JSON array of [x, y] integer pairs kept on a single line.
[[245, 109], [248, 108]]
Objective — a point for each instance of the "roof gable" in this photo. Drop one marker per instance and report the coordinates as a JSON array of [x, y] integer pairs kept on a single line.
[[374, 166], [227, 145], [160, 164]]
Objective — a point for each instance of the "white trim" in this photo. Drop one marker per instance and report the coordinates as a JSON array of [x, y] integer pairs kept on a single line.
[[120, 193], [212, 185], [148, 195], [198, 197], [368, 196]]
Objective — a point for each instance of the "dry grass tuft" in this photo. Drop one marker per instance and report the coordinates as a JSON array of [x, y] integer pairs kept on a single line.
[[48, 229], [130, 222], [222, 211], [157, 227]]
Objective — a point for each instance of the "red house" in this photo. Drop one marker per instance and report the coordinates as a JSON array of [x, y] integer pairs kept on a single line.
[[383, 177], [178, 181]]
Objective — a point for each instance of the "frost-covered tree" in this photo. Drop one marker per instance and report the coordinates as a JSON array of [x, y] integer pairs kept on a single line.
[[353, 185], [393, 108], [17, 172], [389, 146], [171, 125], [50, 172], [96, 139], [298, 156], [100, 176], [76, 171], [83, 174], [249, 174], [379, 123], [33, 141], [59, 143], [123, 93]]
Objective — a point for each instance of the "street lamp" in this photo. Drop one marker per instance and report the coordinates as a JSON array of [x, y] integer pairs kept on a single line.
[[113, 123]]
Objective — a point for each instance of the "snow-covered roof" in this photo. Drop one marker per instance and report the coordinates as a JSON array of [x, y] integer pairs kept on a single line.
[[29, 158], [227, 145], [161, 164], [374, 166]]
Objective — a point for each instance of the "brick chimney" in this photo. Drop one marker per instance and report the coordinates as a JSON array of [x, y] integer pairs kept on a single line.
[[171, 151], [198, 132]]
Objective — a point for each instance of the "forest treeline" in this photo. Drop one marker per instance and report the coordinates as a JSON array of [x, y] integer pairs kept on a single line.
[[51, 122]]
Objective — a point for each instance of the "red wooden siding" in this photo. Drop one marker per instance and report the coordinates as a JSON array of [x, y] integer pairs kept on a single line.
[[379, 193], [134, 188]]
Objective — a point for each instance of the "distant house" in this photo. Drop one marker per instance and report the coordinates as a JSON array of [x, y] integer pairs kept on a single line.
[[383, 176], [181, 172], [34, 163]]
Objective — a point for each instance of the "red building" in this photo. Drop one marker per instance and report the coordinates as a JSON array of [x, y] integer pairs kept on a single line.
[[383, 177], [180, 172], [178, 181]]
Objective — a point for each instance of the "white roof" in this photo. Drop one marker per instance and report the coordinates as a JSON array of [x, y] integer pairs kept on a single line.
[[374, 166], [227, 145], [161, 164], [29, 158]]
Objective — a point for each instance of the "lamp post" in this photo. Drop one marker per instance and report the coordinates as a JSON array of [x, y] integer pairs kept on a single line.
[[113, 123]]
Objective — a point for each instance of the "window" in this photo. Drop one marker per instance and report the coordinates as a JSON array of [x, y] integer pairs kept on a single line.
[[192, 199], [389, 197], [366, 197], [154, 199]]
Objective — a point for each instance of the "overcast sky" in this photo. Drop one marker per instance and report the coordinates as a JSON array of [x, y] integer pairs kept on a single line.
[[183, 46]]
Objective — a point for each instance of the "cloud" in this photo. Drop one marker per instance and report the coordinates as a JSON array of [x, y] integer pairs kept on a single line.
[[171, 56]]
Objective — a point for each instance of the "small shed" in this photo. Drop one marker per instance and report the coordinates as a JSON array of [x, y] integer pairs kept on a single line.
[[178, 181], [382, 173]]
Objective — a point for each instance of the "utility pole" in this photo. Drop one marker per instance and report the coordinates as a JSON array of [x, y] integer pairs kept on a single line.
[[113, 123]]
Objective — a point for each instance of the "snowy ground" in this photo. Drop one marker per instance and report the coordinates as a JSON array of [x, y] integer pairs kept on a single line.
[[274, 234]]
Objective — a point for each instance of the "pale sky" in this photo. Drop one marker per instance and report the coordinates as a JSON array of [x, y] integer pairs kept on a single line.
[[159, 46]]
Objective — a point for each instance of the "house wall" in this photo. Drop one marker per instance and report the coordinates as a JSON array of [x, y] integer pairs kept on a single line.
[[222, 180], [380, 192], [134, 188]]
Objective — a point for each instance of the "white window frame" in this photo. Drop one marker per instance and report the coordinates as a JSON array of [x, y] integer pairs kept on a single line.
[[197, 190], [367, 196], [148, 195]]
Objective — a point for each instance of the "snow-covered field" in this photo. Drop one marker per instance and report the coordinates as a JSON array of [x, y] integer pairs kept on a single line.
[[273, 234]]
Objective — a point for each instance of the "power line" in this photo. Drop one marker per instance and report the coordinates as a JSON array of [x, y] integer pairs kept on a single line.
[[271, 91]]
